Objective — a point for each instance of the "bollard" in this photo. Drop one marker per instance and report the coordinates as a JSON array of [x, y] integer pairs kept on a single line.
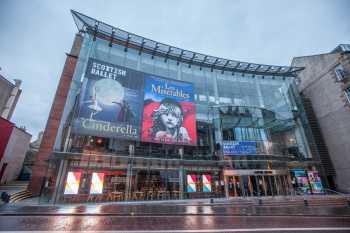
[[211, 200], [260, 202], [306, 202]]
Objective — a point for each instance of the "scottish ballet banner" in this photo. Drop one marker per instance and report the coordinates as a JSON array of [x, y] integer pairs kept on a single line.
[[168, 112], [118, 102], [110, 102]]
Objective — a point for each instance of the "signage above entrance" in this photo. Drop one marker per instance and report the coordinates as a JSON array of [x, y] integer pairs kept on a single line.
[[239, 147]]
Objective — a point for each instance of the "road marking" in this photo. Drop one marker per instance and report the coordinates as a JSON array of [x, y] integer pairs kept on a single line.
[[203, 230], [113, 215]]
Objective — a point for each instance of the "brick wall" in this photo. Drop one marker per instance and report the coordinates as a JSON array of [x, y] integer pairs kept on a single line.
[[52, 125]]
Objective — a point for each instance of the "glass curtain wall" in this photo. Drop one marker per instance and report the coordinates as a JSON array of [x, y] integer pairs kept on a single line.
[[212, 89]]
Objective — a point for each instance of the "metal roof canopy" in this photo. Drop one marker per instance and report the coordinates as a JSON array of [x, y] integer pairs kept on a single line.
[[129, 40]]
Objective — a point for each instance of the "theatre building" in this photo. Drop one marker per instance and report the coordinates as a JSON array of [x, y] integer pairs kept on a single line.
[[135, 119]]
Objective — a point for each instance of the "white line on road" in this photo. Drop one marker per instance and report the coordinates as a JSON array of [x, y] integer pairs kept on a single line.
[[204, 230], [167, 216]]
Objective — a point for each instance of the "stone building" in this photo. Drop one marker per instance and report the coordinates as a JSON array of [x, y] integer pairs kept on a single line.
[[325, 82], [9, 94], [14, 141]]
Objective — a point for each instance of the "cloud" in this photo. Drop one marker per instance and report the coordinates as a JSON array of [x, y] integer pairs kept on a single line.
[[36, 34]]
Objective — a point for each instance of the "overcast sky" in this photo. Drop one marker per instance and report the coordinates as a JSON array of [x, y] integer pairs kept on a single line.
[[34, 35]]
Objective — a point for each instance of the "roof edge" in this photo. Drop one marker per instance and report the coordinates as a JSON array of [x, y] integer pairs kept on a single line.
[[130, 40]]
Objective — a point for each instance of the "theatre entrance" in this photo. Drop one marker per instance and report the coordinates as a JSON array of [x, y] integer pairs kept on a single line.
[[257, 183]]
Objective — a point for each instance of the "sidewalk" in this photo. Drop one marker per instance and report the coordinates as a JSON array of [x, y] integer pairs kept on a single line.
[[171, 210], [237, 201], [327, 205]]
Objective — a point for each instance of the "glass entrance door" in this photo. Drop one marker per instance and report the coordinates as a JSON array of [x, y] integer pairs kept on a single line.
[[235, 187], [245, 186], [261, 186], [254, 184], [230, 186], [257, 185]]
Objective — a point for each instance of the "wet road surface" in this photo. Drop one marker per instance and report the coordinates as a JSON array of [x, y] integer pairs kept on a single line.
[[175, 218], [171, 223], [174, 210]]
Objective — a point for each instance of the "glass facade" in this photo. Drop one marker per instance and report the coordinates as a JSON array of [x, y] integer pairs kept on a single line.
[[250, 131]]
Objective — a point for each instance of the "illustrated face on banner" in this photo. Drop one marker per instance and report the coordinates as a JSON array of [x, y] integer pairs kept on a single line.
[[110, 104], [170, 119], [72, 183], [169, 112]]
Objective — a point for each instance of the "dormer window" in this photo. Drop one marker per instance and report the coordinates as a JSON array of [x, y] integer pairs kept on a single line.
[[340, 72], [347, 93]]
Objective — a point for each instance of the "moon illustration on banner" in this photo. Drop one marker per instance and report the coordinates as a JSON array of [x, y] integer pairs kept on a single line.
[[109, 91]]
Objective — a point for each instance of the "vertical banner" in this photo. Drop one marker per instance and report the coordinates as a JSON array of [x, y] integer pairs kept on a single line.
[[191, 183], [206, 183], [302, 180], [169, 112], [315, 182], [97, 183], [110, 102], [72, 183]]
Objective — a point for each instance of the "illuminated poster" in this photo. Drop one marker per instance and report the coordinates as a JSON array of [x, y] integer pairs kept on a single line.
[[302, 180], [72, 183], [169, 112], [206, 183], [97, 183], [315, 182], [191, 183], [110, 102]]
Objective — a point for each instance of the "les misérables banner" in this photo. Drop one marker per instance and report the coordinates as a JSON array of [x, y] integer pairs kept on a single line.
[[118, 102], [169, 112]]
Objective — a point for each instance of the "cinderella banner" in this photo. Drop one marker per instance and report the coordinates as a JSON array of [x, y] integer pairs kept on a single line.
[[110, 101]]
